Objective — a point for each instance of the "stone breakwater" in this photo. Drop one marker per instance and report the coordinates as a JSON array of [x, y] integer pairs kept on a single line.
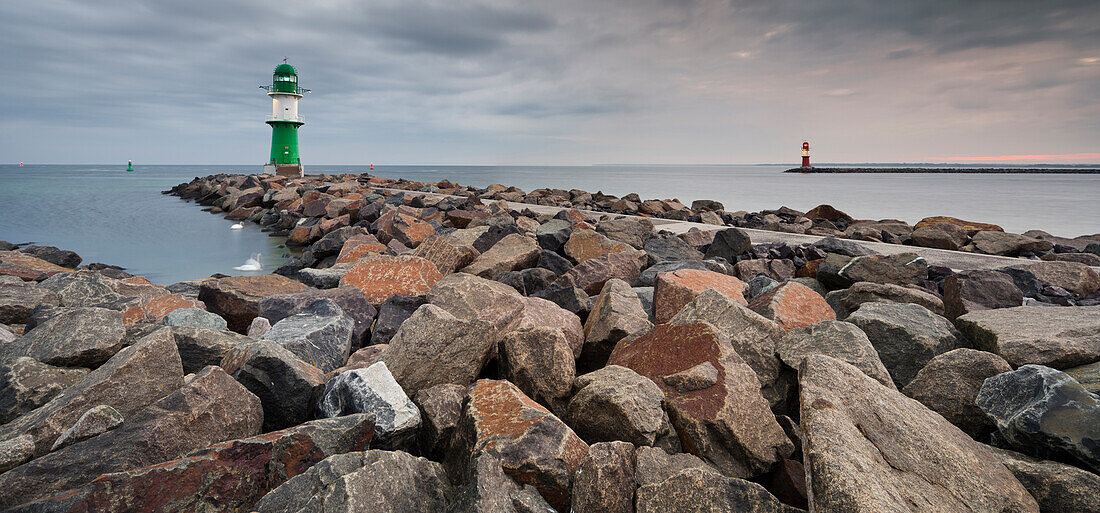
[[950, 170], [450, 353]]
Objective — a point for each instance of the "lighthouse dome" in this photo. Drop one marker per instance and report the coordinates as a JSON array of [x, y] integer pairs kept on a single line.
[[285, 79], [285, 69]]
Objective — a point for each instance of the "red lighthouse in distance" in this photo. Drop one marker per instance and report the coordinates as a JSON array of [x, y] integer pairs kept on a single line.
[[805, 154]]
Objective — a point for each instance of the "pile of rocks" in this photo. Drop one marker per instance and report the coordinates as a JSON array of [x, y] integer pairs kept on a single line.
[[441, 354]]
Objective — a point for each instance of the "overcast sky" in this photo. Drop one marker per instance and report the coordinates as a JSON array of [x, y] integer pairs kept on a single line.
[[556, 82]]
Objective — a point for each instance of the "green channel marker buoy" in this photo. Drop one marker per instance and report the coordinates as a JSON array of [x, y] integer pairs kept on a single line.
[[284, 121], [130, 166]]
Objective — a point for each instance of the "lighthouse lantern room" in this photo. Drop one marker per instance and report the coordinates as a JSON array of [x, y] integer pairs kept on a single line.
[[284, 120]]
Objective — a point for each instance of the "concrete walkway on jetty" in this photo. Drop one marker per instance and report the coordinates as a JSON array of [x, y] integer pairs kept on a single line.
[[956, 260]]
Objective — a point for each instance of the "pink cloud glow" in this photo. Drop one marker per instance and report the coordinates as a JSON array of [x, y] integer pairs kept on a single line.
[[1068, 156]]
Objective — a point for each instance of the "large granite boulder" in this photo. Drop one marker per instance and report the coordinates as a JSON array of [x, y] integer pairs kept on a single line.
[[513, 253], [62, 257], [321, 335], [1045, 413], [697, 490], [971, 291], [132, 379], [538, 313], [195, 318], [899, 269], [604, 482], [391, 314], [75, 337], [712, 396], [535, 447], [26, 384], [433, 347], [616, 403], [1057, 487], [372, 480], [617, 313], [665, 247], [1056, 337], [752, 336], [237, 298], [632, 231], [210, 408], [675, 289], [648, 277], [869, 448], [94, 422], [792, 305], [1087, 375], [373, 390], [951, 381], [440, 410], [228, 476], [287, 387], [843, 247], [446, 252], [350, 300], [553, 234], [1008, 244], [540, 362], [380, 277], [15, 451], [841, 340], [18, 299], [940, 235], [470, 298], [488, 489], [848, 300], [591, 275], [1072, 276], [585, 244], [199, 347], [729, 244], [906, 336]]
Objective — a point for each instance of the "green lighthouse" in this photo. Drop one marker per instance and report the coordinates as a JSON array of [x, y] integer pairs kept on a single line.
[[284, 121]]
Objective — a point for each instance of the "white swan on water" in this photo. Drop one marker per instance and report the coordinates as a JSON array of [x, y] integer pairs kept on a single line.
[[252, 264], [237, 226]]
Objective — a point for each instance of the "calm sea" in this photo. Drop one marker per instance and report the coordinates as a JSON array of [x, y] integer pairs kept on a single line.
[[110, 216]]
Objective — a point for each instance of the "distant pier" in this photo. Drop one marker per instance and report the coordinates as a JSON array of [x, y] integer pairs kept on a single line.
[[949, 170]]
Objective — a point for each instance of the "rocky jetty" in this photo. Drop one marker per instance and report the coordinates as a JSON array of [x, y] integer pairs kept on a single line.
[[438, 347]]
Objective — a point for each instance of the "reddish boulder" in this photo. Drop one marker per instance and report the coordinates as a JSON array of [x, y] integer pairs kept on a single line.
[[210, 408], [380, 277], [827, 212], [446, 252], [971, 227], [536, 448], [359, 246], [229, 476], [237, 298], [793, 305], [712, 396], [675, 289], [155, 309]]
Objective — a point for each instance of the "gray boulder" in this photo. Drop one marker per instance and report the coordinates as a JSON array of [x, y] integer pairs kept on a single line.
[[288, 388], [666, 247], [391, 314], [488, 489], [616, 403], [970, 291], [432, 347], [440, 409], [849, 299], [552, 234], [842, 247], [1057, 487], [540, 362], [617, 313], [195, 318], [131, 380], [632, 231], [199, 347], [729, 244], [703, 490], [350, 300], [75, 337], [759, 285], [26, 384], [1056, 337], [1087, 375], [869, 448], [15, 451], [604, 482], [1044, 413], [653, 465], [949, 384], [906, 336], [321, 335], [648, 277], [841, 340], [1008, 244], [18, 299], [373, 390]]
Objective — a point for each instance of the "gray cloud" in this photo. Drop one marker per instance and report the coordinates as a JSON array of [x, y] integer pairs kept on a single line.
[[573, 81]]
